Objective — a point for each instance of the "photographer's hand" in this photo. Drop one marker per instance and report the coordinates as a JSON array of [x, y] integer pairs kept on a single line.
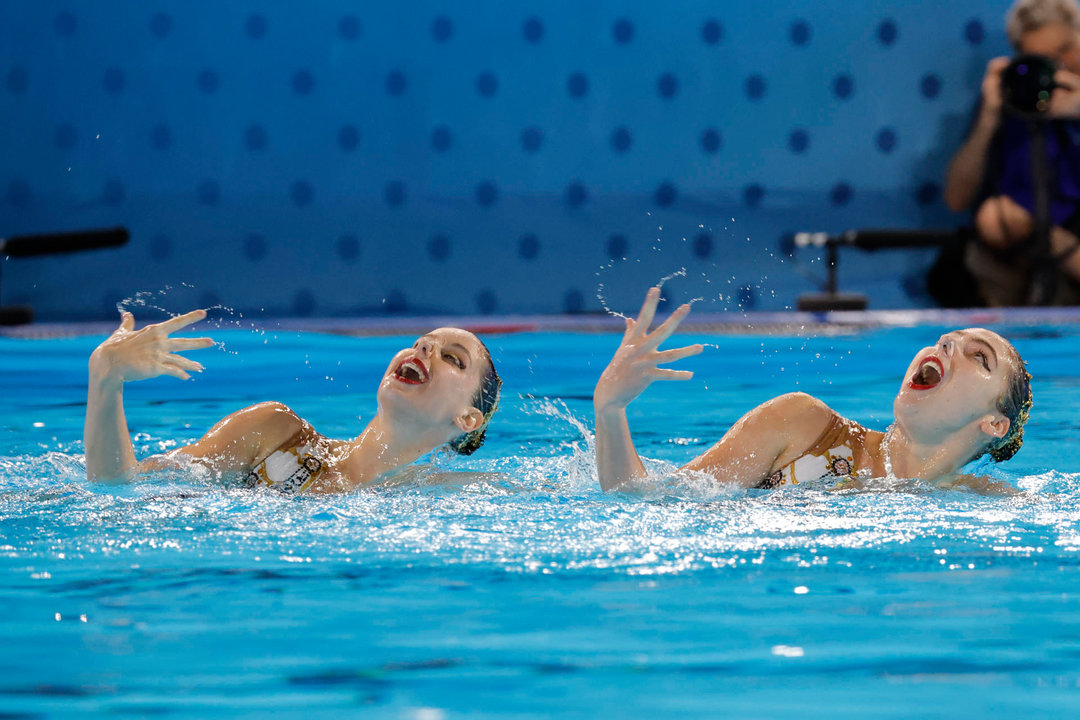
[[1065, 102], [992, 97]]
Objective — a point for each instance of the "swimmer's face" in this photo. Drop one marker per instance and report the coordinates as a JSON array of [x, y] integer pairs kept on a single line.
[[957, 383], [1057, 41], [436, 380]]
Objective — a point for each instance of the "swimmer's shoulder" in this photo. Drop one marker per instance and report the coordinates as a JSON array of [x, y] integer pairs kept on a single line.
[[800, 414], [803, 420], [257, 431]]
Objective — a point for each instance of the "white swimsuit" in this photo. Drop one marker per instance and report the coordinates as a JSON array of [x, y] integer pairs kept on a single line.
[[830, 457], [289, 470]]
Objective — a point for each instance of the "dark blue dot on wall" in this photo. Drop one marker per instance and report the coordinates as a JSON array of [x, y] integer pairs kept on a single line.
[[160, 24], [395, 302], [395, 83], [441, 139], [160, 136], [255, 137], [703, 245], [622, 31], [487, 84], [930, 85], [303, 82], [303, 304], [208, 193], [712, 32], [840, 194], [928, 193], [665, 194], [255, 26], [711, 140], [18, 193], [573, 302], [160, 247], [486, 302], [113, 192], [302, 193], [843, 86], [438, 248], [348, 27], [65, 23], [887, 32], [348, 137], [528, 246], [442, 29], [531, 139], [254, 247], [394, 193], [533, 29], [799, 33], [974, 32], [747, 297], [886, 140], [65, 136], [18, 80], [667, 85], [798, 141], [113, 81], [617, 247], [487, 194], [576, 195], [621, 140], [208, 81], [753, 194], [755, 87], [577, 85], [348, 247]]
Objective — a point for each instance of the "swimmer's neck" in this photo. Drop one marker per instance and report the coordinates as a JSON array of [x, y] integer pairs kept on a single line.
[[382, 448], [918, 460]]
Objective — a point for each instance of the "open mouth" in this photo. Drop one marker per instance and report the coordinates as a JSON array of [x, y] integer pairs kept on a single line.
[[412, 371], [929, 374]]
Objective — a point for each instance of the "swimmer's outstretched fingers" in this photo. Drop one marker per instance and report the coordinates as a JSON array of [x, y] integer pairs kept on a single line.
[[635, 365], [129, 354]]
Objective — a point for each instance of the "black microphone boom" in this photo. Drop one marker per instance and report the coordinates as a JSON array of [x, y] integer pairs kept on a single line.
[[53, 243]]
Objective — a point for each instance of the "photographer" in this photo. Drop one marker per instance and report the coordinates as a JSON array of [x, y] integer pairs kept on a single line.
[[992, 170]]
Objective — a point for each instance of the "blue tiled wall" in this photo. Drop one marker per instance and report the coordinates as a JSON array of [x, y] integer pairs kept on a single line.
[[336, 158]]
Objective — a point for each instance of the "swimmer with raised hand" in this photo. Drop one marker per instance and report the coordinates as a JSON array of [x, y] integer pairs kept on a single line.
[[964, 397], [442, 390]]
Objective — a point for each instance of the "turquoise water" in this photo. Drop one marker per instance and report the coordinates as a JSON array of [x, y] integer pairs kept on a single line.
[[527, 592]]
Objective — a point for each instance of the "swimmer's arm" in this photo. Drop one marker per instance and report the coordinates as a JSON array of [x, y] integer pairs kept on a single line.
[[236, 443], [767, 437], [634, 367], [128, 355]]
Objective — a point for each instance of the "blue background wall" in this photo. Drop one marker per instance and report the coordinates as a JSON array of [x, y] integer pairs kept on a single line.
[[335, 158]]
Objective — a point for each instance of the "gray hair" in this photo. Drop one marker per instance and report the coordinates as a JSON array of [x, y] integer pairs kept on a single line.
[[1027, 15]]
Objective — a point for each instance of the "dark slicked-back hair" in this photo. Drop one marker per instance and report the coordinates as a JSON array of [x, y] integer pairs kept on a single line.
[[1014, 404]]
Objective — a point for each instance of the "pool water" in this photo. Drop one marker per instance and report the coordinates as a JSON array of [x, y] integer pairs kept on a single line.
[[525, 591]]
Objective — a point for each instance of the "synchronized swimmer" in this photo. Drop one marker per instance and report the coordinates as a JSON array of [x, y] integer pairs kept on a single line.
[[442, 390], [964, 397]]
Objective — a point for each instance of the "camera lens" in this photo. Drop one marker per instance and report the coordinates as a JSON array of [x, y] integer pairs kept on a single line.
[[1027, 84]]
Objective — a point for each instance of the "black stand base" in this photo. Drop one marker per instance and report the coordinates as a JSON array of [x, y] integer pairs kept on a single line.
[[16, 315], [822, 302]]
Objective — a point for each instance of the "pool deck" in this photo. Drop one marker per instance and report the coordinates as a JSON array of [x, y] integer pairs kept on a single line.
[[729, 323]]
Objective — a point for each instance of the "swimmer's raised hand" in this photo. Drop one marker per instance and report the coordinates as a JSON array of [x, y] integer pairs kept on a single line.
[[129, 354], [636, 362]]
